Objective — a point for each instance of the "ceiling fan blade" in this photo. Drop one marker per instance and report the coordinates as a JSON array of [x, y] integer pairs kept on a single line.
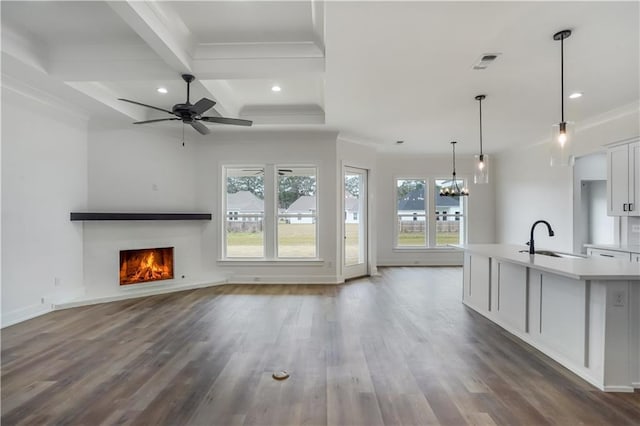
[[225, 120], [145, 105], [155, 121], [200, 127], [202, 105]]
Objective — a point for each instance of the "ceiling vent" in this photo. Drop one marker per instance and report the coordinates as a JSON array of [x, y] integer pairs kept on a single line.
[[485, 60]]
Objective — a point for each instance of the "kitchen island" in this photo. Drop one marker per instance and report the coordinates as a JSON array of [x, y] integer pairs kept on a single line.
[[582, 312]]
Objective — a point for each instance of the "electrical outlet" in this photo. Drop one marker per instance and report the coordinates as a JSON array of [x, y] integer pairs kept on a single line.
[[256, 279], [619, 299], [635, 229], [154, 187], [56, 281]]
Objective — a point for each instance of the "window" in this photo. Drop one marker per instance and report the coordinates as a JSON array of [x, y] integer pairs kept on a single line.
[[415, 228], [449, 215], [297, 203], [244, 204], [411, 213], [270, 212]]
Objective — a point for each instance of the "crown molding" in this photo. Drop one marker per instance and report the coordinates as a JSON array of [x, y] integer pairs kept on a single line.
[[41, 97]]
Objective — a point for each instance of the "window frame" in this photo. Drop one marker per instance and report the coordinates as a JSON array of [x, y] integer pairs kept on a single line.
[[456, 216], [396, 213], [430, 214], [270, 216], [314, 215]]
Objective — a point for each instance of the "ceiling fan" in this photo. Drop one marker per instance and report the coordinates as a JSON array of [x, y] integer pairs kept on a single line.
[[281, 172], [192, 113]]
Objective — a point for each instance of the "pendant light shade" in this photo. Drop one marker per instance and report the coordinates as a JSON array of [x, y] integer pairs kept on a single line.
[[561, 133], [481, 161], [453, 188]]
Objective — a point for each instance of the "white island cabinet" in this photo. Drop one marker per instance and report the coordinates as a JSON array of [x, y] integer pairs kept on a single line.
[[582, 312]]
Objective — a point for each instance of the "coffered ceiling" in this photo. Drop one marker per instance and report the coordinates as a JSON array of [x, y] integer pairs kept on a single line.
[[376, 71]]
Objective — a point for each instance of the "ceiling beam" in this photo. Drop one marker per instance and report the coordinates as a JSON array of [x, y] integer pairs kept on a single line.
[[317, 20], [166, 34], [257, 60], [146, 19]]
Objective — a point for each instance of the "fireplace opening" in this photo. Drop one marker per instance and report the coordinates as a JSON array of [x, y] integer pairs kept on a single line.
[[140, 266]]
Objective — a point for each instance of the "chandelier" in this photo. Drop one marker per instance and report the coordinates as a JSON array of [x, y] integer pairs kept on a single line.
[[453, 189]]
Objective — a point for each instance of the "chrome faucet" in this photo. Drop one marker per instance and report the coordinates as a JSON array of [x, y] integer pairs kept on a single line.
[[532, 248]]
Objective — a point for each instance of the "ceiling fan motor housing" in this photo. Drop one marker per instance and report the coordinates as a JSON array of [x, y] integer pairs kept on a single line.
[[184, 112]]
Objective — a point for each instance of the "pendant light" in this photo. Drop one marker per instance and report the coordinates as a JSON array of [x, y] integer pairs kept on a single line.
[[453, 190], [561, 133], [481, 169]]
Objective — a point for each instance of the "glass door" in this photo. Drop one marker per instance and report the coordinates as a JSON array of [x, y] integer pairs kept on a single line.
[[355, 222]]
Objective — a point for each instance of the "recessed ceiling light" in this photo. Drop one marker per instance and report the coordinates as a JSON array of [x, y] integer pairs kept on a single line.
[[276, 88], [162, 90], [575, 95]]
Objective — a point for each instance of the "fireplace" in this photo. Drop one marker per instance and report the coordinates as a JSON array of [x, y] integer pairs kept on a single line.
[[140, 266]]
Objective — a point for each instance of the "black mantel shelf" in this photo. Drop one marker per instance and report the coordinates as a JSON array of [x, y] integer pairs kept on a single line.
[[81, 216]]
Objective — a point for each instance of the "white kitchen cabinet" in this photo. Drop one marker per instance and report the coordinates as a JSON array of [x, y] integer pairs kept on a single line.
[[623, 179], [613, 254]]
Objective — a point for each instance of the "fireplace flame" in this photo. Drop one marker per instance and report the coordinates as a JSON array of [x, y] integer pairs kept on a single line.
[[146, 265]]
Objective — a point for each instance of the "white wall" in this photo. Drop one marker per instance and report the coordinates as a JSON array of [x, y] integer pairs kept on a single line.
[[141, 169], [591, 223], [601, 226], [528, 189], [44, 177], [253, 147], [480, 206]]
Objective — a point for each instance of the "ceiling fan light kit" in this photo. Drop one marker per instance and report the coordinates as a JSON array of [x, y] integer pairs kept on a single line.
[[561, 133], [191, 113]]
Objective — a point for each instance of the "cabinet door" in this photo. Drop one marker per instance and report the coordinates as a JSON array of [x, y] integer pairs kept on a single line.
[[618, 180], [634, 179]]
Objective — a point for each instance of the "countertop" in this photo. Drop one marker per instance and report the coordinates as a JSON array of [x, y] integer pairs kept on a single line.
[[587, 268], [633, 248]]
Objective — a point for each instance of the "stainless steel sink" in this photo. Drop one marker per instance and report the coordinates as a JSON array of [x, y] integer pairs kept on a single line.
[[556, 254]]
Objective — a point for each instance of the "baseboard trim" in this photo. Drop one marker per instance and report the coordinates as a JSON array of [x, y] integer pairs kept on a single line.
[[625, 389], [136, 294], [285, 279], [26, 313], [435, 263]]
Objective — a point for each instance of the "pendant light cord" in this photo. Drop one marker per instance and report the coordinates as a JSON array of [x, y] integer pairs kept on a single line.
[[562, 77], [480, 100]]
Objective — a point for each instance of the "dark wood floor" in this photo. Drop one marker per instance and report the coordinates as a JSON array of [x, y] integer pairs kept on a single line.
[[396, 349]]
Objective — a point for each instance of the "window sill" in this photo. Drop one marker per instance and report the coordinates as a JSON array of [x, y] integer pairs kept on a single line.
[[271, 262]]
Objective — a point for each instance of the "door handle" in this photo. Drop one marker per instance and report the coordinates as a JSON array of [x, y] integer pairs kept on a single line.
[[624, 207], [630, 207], [606, 255]]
